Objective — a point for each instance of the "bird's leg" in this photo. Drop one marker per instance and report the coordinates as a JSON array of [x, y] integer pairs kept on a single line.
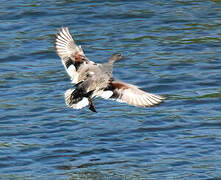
[[91, 105]]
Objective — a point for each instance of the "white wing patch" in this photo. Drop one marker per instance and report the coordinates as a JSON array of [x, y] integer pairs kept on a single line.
[[106, 94]]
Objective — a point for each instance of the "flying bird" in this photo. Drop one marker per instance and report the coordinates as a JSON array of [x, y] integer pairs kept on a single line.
[[96, 80]]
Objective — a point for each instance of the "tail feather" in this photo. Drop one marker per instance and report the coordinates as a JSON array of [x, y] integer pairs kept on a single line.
[[75, 104]]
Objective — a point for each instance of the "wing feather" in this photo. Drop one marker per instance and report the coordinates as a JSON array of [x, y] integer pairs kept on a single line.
[[72, 56], [132, 95]]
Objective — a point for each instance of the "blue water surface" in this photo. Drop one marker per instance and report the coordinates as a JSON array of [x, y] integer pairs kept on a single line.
[[172, 48]]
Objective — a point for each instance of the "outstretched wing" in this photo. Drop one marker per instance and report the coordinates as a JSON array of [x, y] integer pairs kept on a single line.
[[72, 56], [132, 95]]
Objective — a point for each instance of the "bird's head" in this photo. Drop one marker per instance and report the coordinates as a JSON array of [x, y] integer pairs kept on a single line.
[[115, 57]]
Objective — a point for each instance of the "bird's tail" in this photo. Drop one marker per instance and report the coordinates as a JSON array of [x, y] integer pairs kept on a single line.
[[75, 102]]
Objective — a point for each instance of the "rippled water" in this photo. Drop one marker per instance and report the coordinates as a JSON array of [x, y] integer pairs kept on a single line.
[[172, 48]]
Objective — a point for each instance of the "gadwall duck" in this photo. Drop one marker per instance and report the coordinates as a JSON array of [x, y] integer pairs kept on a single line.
[[96, 80]]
